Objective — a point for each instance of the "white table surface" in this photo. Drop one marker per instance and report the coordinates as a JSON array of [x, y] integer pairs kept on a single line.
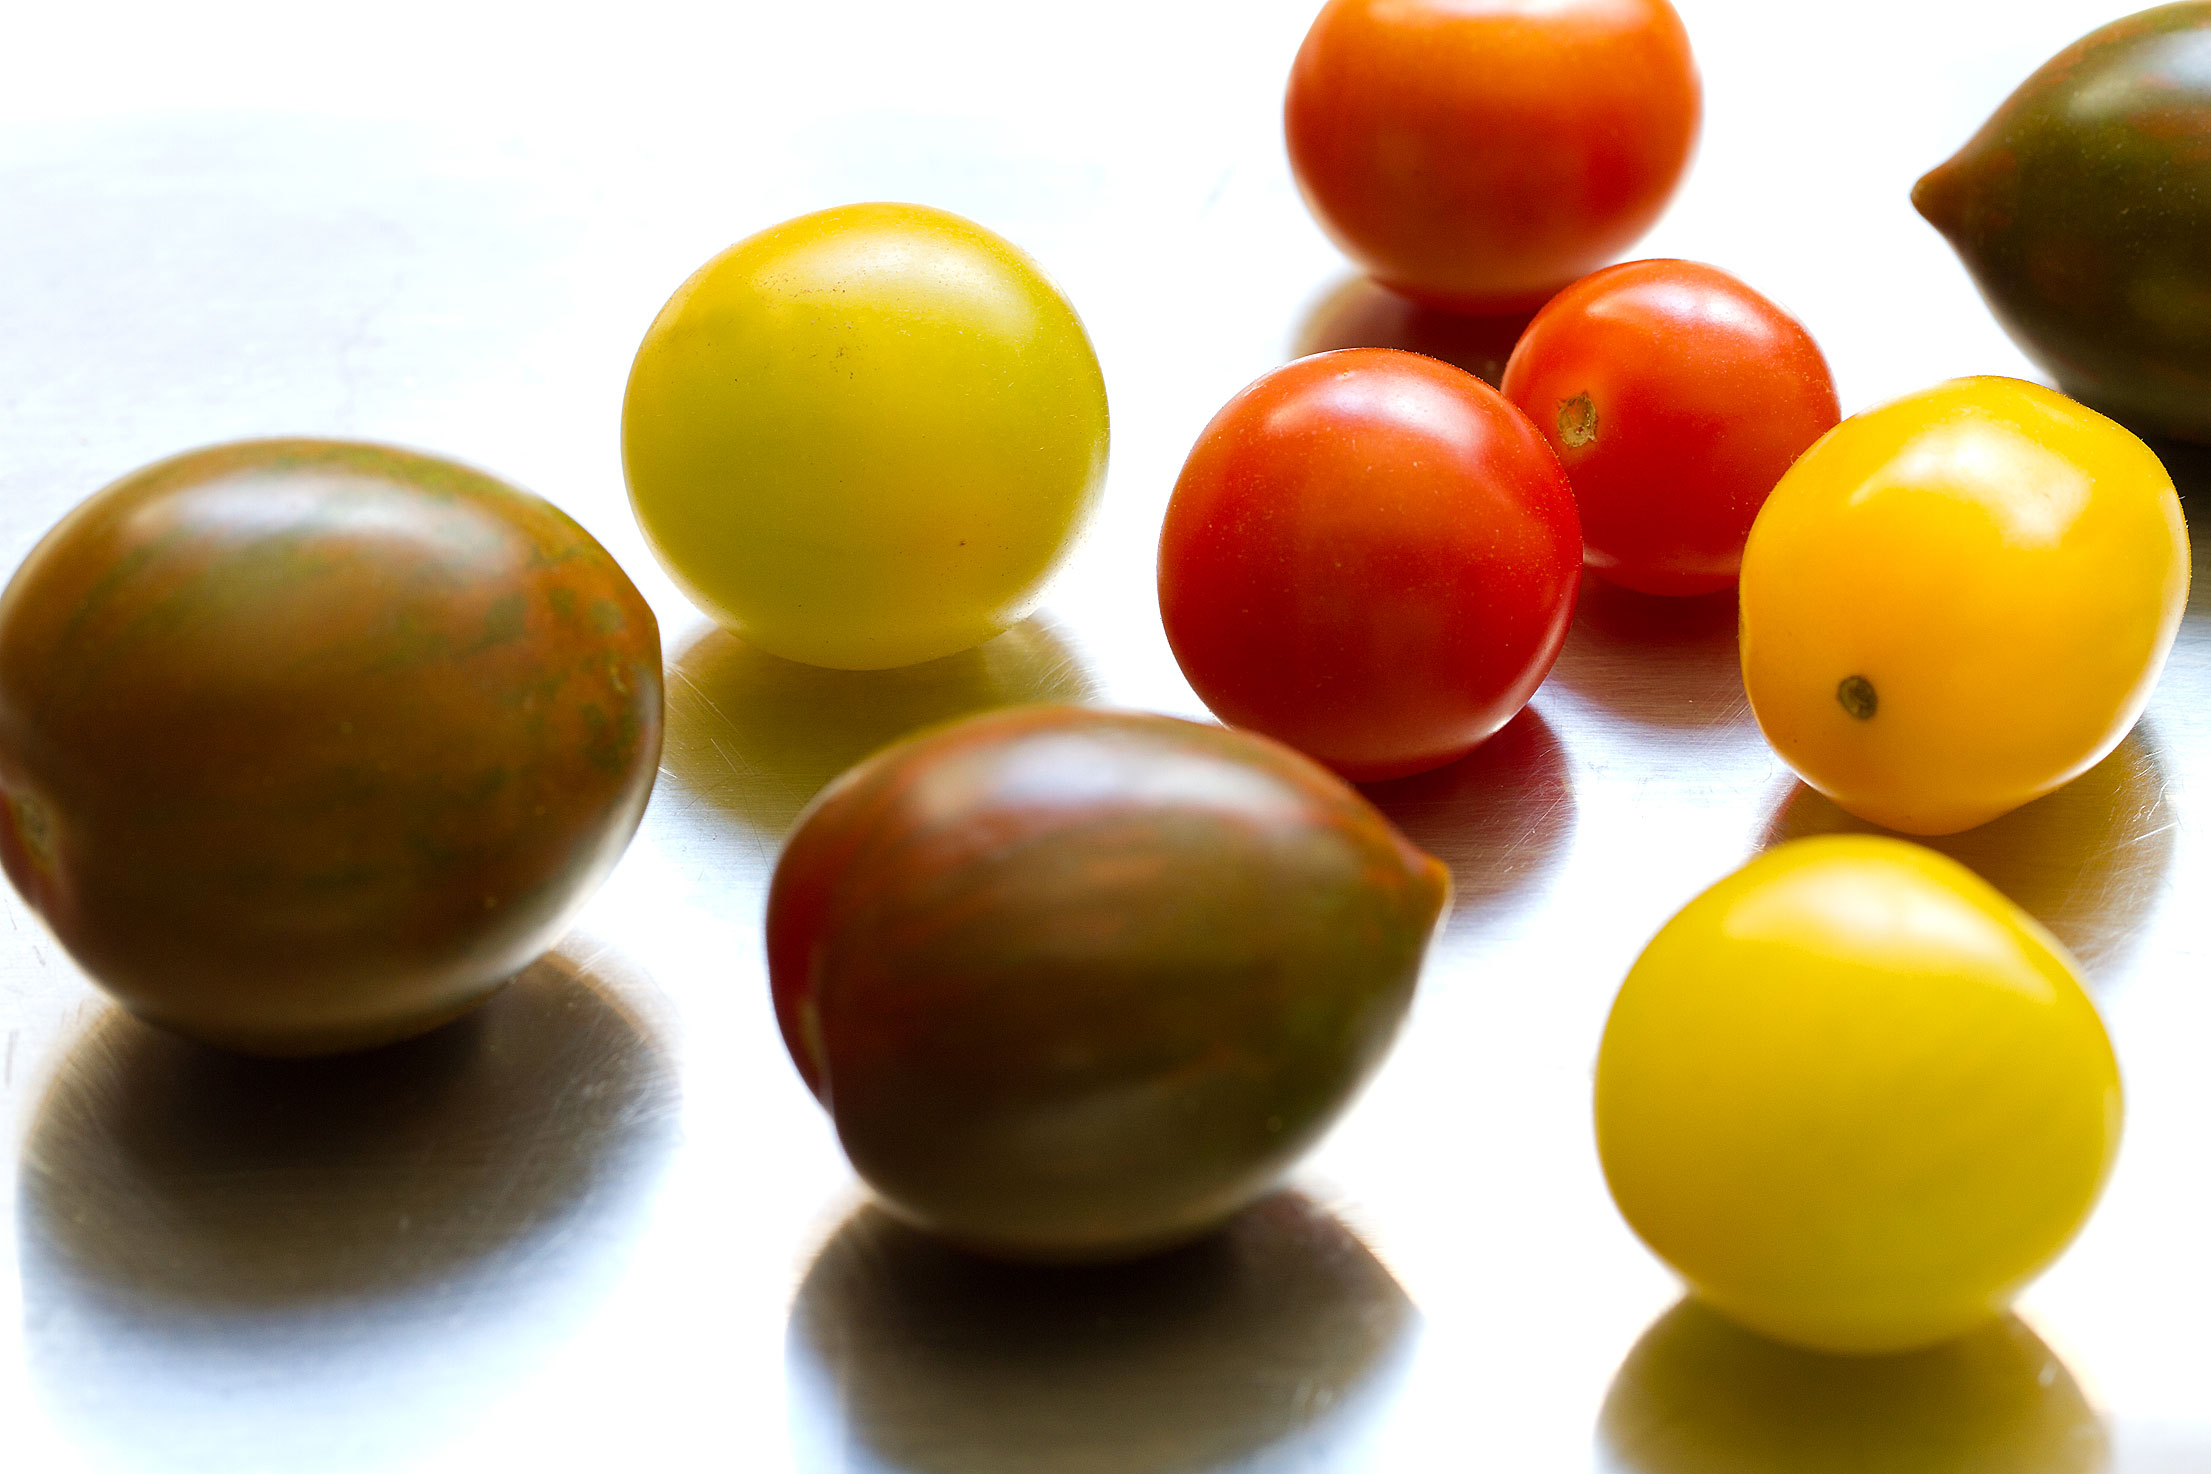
[[604, 1226]]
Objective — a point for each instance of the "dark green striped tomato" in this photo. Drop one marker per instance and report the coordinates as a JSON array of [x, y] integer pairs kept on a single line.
[[308, 746], [1078, 984], [2083, 210]]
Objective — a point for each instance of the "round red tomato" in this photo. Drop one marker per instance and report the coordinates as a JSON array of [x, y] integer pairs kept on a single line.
[[1481, 156], [1371, 556], [1675, 397]]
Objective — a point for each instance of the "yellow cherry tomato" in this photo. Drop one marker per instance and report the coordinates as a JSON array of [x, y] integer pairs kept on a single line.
[[1959, 601], [863, 438], [1855, 1097]]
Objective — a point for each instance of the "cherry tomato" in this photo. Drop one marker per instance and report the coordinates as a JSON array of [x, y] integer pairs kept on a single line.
[[1079, 984], [1371, 556], [1675, 397], [863, 438], [1855, 1097], [1959, 601], [1479, 157], [2081, 209], [308, 746]]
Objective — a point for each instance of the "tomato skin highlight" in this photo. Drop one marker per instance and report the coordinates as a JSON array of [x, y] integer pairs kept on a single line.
[[2081, 209], [308, 745], [1855, 1097], [865, 437], [1675, 397], [1479, 157], [1956, 602], [1371, 556], [1078, 985]]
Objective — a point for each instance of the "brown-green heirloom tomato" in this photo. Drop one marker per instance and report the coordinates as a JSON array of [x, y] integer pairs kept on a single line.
[[307, 746], [1078, 984], [2083, 210]]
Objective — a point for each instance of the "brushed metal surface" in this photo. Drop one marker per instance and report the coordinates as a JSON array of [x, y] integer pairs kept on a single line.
[[602, 1225]]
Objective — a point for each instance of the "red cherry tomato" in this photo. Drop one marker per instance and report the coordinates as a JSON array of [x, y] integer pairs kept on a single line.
[[1371, 556], [1675, 397], [1480, 156]]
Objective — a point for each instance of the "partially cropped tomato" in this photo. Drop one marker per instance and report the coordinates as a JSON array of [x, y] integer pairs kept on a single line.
[[1674, 396], [1371, 556], [308, 745], [1855, 1097], [863, 438], [2083, 208], [1959, 601], [1079, 984], [1480, 156]]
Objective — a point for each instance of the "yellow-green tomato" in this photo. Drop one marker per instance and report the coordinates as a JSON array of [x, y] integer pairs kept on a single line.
[[862, 438], [1954, 603], [1855, 1097]]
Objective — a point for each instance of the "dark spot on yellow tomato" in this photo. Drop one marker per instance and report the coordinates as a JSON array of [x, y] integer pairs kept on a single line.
[[1858, 697]]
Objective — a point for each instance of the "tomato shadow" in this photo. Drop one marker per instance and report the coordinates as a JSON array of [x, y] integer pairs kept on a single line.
[[757, 736], [1699, 1395], [1280, 1335], [2088, 861], [1501, 818], [295, 1256], [2189, 465], [1358, 312], [1658, 661]]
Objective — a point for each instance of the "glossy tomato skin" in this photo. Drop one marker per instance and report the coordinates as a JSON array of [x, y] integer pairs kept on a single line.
[[2081, 209], [1675, 397], [309, 745], [1078, 984], [1856, 1097], [1954, 603], [1479, 157], [863, 438], [1371, 556]]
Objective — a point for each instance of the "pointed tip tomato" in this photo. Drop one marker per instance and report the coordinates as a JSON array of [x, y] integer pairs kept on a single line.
[[1079, 984]]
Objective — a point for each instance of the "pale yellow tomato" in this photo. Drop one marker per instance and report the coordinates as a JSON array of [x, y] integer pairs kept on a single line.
[[863, 438], [1855, 1097], [1957, 602]]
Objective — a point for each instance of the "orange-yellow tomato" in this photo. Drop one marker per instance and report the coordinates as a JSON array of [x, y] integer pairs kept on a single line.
[[1855, 1097], [1959, 601]]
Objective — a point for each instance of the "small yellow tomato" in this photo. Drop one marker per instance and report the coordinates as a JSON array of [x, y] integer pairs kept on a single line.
[[1855, 1097], [1959, 601], [863, 438]]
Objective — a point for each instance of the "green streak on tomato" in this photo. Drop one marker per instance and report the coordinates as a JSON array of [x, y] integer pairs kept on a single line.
[[1077, 985], [306, 745], [2083, 210]]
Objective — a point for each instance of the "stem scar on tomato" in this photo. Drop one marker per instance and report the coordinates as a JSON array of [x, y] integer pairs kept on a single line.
[[1858, 697], [1577, 420]]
